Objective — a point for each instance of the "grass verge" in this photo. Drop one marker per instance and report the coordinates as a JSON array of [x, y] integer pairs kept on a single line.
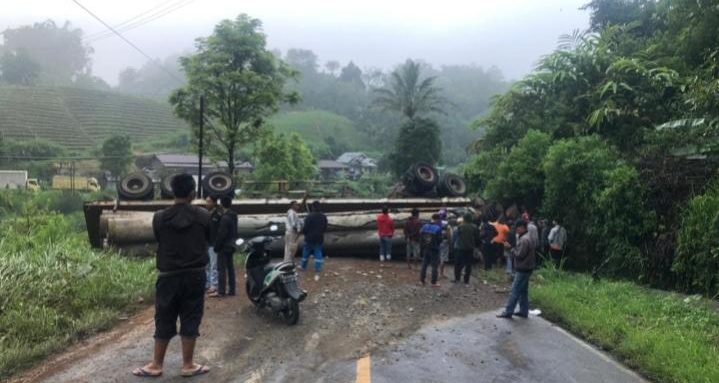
[[56, 289], [667, 337]]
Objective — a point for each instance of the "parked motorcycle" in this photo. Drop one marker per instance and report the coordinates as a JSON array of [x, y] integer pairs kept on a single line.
[[273, 286]]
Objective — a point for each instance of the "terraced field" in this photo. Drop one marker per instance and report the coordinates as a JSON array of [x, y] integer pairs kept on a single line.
[[79, 118]]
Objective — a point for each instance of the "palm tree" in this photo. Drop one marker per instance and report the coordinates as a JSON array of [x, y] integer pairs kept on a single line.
[[409, 94]]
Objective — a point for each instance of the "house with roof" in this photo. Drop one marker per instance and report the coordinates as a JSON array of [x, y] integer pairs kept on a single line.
[[159, 165], [331, 169], [357, 164]]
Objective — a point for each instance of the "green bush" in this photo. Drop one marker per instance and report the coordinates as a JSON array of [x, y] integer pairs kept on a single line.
[[697, 259], [519, 177], [482, 167], [600, 201]]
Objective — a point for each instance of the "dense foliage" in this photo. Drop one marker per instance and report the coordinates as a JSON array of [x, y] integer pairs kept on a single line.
[[636, 90], [418, 141], [281, 157], [697, 261]]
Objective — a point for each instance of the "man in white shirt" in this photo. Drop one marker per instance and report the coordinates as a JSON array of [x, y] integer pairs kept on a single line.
[[293, 228]]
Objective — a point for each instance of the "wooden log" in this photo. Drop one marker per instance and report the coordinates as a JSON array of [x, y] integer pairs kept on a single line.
[[136, 228]]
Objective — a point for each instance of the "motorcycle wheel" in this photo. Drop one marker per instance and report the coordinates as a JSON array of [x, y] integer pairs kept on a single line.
[[292, 313], [249, 296]]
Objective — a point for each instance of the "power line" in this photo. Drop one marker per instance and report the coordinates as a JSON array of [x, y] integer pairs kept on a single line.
[[128, 42], [132, 19], [145, 20]]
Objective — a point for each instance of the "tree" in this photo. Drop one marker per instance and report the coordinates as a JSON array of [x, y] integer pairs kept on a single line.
[[242, 82], [116, 154], [303, 60], [18, 68], [152, 79], [418, 141], [280, 157], [332, 67], [410, 94], [59, 51], [352, 74]]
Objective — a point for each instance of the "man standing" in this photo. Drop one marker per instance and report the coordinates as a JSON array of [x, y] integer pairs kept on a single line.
[[467, 240], [385, 229], [314, 231], [487, 232], [211, 270], [411, 236], [430, 238], [225, 248], [182, 232], [293, 228], [524, 263], [498, 242], [557, 240]]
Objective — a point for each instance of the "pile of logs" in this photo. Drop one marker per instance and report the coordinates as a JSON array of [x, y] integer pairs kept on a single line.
[[348, 232]]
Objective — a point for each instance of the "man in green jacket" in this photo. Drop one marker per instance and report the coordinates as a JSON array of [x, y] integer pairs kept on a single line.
[[467, 240]]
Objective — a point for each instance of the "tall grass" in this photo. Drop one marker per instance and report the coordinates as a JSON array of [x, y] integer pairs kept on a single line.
[[56, 289], [668, 337]]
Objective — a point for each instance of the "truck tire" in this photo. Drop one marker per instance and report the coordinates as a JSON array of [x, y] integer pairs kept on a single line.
[[135, 187], [451, 185], [219, 184], [166, 187], [420, 178]]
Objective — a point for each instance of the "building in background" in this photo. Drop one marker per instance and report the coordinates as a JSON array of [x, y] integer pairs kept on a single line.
[[158, 165], [357, 164]]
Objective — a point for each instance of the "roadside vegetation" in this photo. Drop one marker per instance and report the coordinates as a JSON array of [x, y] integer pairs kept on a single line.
[[668, 337], [55, 288]]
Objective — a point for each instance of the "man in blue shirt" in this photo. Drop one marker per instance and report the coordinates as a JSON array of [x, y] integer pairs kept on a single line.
[[430, 240]]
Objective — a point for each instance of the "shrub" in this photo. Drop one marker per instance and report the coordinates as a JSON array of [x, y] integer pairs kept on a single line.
[[600, 201], [519, 177], [697, 259]]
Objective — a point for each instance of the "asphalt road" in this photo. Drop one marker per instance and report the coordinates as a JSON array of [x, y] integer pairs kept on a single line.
[[363, 322], [482, 348]]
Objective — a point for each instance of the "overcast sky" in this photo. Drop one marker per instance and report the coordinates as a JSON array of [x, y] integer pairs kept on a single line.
[[511, 34]]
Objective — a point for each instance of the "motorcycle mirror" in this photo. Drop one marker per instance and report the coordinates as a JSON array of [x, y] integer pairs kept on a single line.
[[239, 242], [273, 228]]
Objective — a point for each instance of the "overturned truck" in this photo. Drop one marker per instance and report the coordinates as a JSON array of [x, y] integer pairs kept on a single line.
[[351, 230], [127, 223]]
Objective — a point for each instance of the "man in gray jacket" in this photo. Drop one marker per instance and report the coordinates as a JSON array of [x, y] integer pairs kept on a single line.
[[525, 261]]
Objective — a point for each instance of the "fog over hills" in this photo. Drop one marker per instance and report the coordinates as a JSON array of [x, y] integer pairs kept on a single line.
[[511, 35]]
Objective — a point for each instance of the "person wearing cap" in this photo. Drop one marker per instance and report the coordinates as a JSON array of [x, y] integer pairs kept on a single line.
[[524, 263], [411, 236]]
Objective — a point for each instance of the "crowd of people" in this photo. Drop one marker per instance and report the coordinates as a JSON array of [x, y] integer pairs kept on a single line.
[[196, 247]]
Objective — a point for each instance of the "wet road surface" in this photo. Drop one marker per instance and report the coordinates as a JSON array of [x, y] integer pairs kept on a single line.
[[359, 308]]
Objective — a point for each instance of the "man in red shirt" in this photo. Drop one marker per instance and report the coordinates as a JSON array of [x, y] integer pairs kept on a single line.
[[385, 229]]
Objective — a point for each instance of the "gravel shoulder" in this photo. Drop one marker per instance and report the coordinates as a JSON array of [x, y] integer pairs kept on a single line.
[[358, 307]]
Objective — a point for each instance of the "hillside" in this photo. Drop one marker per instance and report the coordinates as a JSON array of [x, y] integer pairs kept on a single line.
[[81, 118], [316, 126]]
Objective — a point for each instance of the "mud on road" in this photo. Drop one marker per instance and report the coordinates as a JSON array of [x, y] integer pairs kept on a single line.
[[356, 308]]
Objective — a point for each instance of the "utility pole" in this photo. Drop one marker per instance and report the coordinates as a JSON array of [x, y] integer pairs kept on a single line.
[[200, 149]]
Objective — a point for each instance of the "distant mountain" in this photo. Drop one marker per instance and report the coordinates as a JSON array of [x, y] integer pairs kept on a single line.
[[81, 119]]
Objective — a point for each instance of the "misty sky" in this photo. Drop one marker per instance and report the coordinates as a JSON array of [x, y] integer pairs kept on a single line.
[[511, 34]]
